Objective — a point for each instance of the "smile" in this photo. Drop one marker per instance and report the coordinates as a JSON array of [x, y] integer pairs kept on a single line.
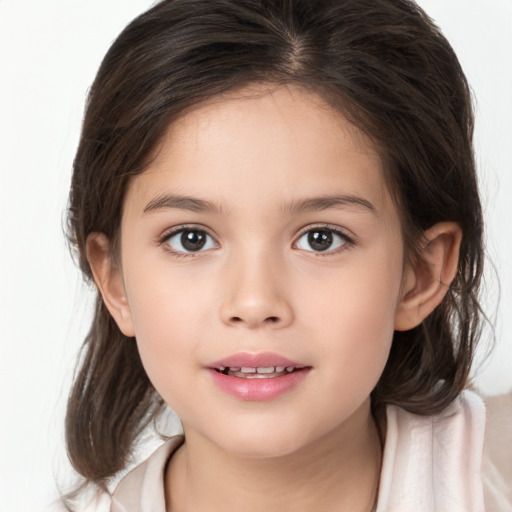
[[257, 377], [260, 372]]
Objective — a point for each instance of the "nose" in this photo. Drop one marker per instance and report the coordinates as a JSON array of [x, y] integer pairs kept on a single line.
[[256, 294]]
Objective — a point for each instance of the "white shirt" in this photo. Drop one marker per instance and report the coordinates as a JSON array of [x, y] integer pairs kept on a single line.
[[447, 462]]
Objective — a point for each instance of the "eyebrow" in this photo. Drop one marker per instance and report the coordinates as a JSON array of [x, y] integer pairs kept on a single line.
[[326, 202], [176, 201]]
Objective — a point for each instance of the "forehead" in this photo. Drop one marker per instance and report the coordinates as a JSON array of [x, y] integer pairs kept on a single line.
[[281, 143], [260, 113]]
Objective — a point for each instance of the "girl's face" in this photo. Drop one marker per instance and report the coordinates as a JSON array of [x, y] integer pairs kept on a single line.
[[263, 235]]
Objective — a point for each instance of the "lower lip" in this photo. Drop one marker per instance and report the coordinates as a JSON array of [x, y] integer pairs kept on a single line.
[[258, 389]]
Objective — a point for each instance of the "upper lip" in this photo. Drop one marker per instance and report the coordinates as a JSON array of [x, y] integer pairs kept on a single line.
[[260, 360]]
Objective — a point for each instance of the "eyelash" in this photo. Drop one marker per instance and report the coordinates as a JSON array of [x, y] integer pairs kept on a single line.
[[347, 241], [181, 229]]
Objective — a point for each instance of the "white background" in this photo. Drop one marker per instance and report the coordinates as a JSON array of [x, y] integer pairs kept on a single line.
[[49, 53]]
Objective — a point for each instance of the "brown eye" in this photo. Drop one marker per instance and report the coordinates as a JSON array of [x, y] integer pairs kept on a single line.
[[190, 240], [193, 240], [321, 240]]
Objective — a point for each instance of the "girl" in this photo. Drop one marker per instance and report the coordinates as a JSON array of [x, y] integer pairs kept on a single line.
[[277, 202]]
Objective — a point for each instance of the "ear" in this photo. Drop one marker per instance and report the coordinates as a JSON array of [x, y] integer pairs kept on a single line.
[[109, 280], [427, 280]]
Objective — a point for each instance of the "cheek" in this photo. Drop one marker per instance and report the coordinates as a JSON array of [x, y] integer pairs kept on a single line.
[[174, 313], [168, 324], [356, 314], [164, 298]]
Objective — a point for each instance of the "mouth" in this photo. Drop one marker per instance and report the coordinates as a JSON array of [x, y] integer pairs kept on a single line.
[[257, 377], [257, 372], [262, 365]]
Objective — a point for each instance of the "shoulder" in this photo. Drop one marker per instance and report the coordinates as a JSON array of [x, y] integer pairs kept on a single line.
[[142, 488], [460, 458], [434, 462], [497, 458]]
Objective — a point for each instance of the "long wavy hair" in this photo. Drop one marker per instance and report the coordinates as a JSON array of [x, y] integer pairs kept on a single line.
[[385, 66]]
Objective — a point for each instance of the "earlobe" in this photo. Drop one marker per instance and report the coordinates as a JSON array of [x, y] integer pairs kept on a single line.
[[427, 280], [109, 280]]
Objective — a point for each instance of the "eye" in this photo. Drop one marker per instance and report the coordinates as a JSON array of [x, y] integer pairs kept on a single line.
[[189, 240], [322, 240]]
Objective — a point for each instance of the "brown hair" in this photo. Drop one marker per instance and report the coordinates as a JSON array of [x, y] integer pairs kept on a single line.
[[384, 65]]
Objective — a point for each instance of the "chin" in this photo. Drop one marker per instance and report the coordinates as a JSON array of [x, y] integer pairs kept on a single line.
[[262, 442]]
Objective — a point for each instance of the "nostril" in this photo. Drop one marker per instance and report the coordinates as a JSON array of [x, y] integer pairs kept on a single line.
[[270, 319]]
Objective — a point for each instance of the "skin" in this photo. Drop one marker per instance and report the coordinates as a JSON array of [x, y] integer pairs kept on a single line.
[[258, 285]]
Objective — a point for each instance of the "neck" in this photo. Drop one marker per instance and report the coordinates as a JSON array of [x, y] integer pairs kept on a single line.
[[339, 471]]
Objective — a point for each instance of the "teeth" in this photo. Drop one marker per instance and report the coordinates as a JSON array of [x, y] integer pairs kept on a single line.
[[263, 369], [255, 372], [268, 369]]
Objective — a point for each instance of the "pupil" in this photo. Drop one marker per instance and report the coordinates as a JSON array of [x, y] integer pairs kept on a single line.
[[193, 240], [320, 240]]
